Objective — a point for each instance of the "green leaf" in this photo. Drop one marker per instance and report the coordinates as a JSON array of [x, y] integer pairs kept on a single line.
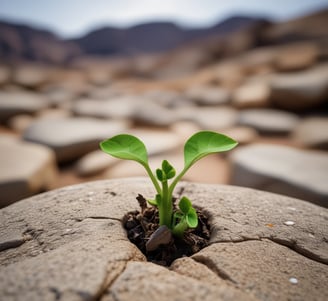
[[204, 143], [126, 147], [152, 202], [192, 218], [185, 205], [168, 169], [160, 175]]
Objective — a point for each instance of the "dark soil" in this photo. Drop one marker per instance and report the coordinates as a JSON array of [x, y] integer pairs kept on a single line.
[[140, 225]]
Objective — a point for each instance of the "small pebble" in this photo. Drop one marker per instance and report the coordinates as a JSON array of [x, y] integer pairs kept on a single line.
[[289, 223], [293, 280]]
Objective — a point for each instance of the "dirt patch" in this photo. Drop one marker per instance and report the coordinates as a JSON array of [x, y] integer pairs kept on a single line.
[[140, 225]]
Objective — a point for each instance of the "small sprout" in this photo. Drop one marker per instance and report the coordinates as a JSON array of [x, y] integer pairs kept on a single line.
[[197, 146]]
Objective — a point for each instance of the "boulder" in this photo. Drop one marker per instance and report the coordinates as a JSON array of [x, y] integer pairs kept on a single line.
[[14, 103], [300, 90], [69, 244], [312, 132], [26, 169], [31, 76], [282, 169], [252, 95], [269, 121], [71, 138], [208, 95], [216, 118], [296, 56]]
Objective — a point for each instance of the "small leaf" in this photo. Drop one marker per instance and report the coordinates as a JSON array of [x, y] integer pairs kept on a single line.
[[168, 169], [160, 175], [192, 218], [204, 143], [152, 202], [185, 205], [178, 215], [126, 147]]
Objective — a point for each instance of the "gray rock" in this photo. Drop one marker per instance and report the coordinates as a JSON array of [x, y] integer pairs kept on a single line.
[[312, 132], [216, 118], [119, 107], [26, 169], [71, 138], [269, 121], [282, 169], [252, 95], [208, 95], [69, 244], [14, 103], [301, 90], [166, 98]]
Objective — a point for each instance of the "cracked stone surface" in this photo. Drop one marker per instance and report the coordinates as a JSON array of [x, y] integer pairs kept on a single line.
[[68, 244]]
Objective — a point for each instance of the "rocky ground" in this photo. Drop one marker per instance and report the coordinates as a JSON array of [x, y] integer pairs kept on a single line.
[[69, 244], [273, 100]]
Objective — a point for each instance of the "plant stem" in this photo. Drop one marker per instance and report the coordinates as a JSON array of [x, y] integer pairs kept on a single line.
[[176, 180], [165, 207], [153, 179]]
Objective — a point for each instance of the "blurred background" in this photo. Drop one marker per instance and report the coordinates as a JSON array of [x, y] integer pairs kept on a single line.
[[73, 73]]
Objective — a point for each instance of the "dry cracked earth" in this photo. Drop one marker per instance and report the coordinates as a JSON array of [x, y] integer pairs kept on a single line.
[[69, 244]]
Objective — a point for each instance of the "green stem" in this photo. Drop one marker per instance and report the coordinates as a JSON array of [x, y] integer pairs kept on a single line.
[[180, 228], [176, 180], [153, 179], [165, 207]]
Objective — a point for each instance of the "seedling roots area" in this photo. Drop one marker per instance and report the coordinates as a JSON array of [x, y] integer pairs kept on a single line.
[[140, 225]]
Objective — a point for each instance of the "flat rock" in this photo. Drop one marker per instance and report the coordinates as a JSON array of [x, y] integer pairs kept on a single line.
[[300, 90], [208, 95], [242, 134], [296, 56], [282, 169], [71, 138], [14, 103], [215, 118], [167, 98], [252, 95], [4, 75], [31, 76], [269, 121], [118, 107], [312, 132], [26, 169], [69, 244]]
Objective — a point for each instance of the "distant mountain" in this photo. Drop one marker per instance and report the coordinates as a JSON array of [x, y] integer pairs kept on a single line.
[[22, 42], [232, 36], [154, 37]]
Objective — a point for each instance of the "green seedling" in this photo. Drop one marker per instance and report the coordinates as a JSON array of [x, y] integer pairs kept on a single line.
[[197, 146]]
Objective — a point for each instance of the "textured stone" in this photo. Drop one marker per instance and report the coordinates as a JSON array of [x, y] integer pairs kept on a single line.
[[300, 90], [71, 138], [216, 118], [26, 169], [208, 95], [14, 103], [69, 244], [312, 132], [269, 121], [252, 95], [282, 169]]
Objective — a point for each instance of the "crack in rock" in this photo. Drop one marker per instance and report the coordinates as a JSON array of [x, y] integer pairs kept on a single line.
[[11, 244], [210, 265]]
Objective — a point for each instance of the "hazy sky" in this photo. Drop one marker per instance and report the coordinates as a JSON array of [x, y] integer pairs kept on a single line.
[[75, 17]]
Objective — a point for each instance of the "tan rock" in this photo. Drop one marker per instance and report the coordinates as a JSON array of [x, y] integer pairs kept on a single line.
[[31, 76], [21, 122], [296, 56], [78, 250], [269, 121], [312, 132], [26, 169], [283, 170], [208, 95], [252, 95], [242, 134], [71, 138]]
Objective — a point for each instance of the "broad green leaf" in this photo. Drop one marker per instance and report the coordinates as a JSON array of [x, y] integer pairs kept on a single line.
[[192, 218], [126, 147], [185, 205], [204, 143]]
